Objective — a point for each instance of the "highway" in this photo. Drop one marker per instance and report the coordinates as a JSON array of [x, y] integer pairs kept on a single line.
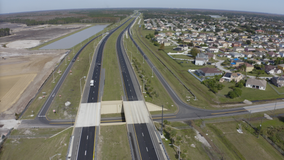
[[87, 141], [138, 129]]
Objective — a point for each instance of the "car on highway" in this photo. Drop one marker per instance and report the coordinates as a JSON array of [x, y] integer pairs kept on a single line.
[[92, 83]]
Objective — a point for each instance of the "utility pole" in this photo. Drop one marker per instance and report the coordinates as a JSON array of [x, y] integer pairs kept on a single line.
[[162, 119], [274, 108]]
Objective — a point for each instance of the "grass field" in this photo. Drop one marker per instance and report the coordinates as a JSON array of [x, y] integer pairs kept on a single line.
[[240, 146], [113, 143], [163, 97], [36, 148], [113, 85], [185, 140]]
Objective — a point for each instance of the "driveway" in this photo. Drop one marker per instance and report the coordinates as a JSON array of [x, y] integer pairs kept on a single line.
[[219, 66]]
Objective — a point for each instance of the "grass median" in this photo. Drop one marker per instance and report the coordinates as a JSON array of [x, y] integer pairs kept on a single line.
[[113, 143], [155, 92], [36, 148], [113, 86]]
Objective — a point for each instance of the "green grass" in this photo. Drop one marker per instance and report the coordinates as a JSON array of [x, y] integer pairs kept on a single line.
[[240, 146], [36, 148], [113, 86], [70, 89], [279, 89], [187, 139], [113, 143], [181, 56], [180, 69], [163, 97]]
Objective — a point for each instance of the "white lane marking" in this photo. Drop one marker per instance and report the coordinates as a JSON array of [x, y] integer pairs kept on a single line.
[[86, 152], [147, 149], [142, 134], [87, 137]]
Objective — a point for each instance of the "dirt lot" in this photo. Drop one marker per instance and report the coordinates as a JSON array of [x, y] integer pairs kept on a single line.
[[23, 71]]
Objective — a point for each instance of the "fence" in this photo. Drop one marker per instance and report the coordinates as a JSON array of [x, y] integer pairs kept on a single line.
[[195, 76]]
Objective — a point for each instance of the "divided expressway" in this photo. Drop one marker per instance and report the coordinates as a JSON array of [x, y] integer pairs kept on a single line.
[[141, 132], [144, 144]]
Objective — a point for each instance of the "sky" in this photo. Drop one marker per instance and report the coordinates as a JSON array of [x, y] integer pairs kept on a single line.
[[264, 6]]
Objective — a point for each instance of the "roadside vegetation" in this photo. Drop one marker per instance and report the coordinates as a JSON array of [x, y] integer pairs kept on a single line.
[[154, 91], [38, 146], [113, 85], [113, 147]]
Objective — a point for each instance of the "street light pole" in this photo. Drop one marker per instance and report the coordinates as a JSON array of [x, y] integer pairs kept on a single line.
[[80, 84], [162, 119], [152, 71]]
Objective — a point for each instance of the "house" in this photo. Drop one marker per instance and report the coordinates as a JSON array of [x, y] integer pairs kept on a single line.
[[236, 54], [236, 62], [212, 50], [211, 55], [167, 43], [255, 83], [278, 81], [280, 49], [184, 47], [238, 49], [281, 54], [169, 34], [259, 31], [273, 54], [236, 44], [228, 77], [249, 67], [209, 72], [248, 54], [249, 49], [269, 69], [271, 49], [281, 66], [201, 59]]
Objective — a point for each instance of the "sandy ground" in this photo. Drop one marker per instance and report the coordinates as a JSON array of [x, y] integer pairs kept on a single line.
[[21, 75], [20, 44], [23, 71]]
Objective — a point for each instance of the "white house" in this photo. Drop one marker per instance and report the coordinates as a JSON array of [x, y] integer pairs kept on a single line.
[[255, 83]]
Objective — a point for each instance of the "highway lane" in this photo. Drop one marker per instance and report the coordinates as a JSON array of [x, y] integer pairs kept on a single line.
[[185, 110], [141, 133], [87, 140], [50, 98], [87, 143]]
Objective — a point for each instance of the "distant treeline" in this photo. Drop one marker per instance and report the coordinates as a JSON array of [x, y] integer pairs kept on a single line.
[[78, 16], [4, 32], [67, 20]]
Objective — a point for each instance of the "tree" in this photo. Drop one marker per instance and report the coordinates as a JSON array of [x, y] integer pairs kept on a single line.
[[248, 42], [194, 52], [162, 46], [156, 32], [232, 94]]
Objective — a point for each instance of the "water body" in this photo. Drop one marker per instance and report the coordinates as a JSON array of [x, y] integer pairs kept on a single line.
[[74, 39]]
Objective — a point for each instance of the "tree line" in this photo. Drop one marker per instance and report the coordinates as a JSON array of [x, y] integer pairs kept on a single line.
[[4, 32]]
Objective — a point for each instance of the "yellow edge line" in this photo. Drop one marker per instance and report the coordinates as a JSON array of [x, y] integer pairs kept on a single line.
[[137, 142], [230, 112]]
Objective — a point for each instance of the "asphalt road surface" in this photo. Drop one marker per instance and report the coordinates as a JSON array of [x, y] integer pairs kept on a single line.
[[87, 140]]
